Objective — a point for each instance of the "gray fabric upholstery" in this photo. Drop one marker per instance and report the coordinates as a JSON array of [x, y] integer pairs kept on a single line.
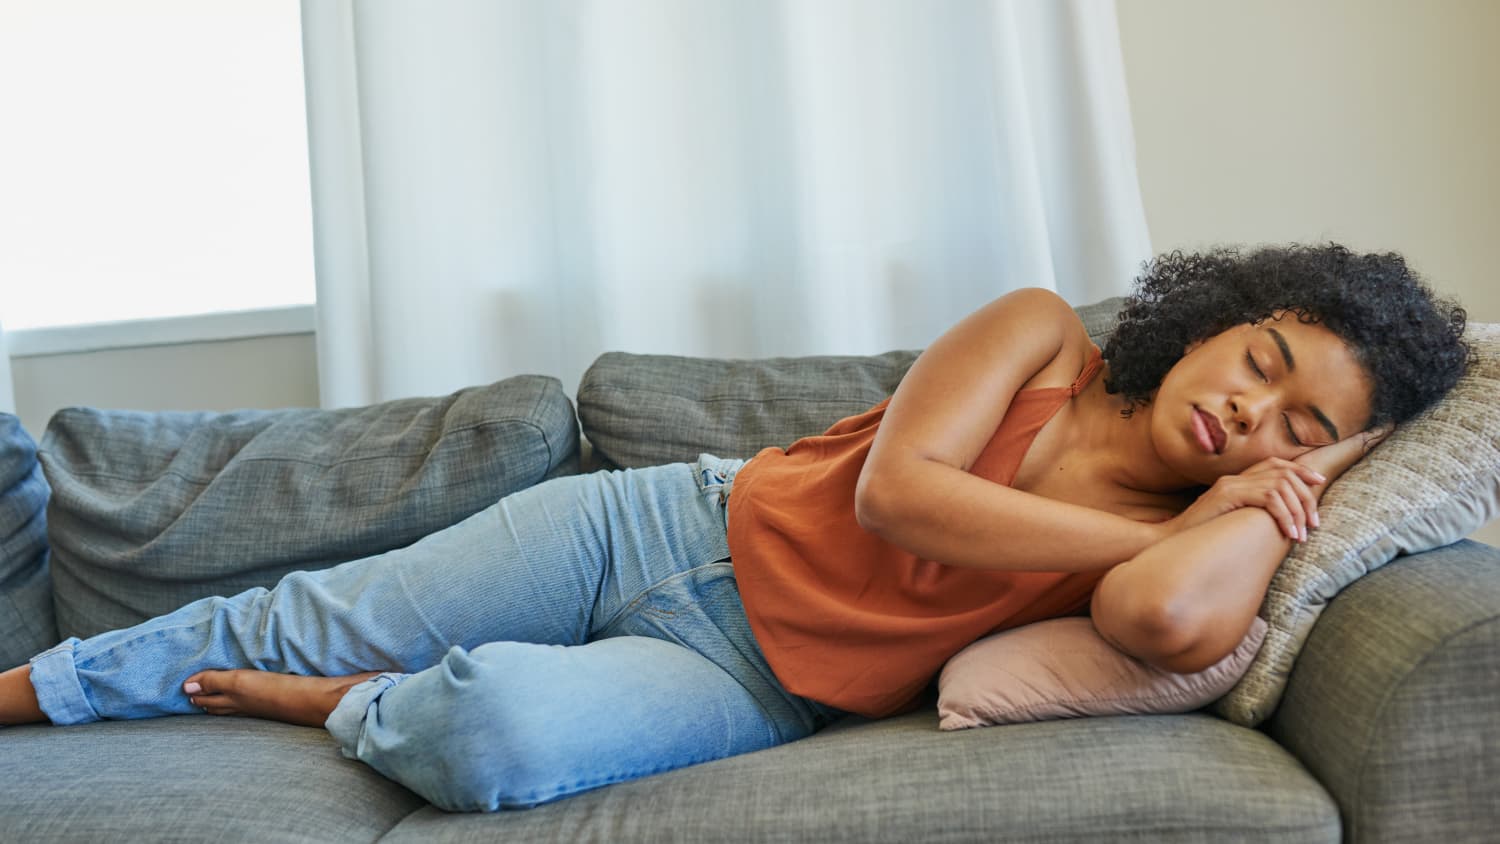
[[1394, 703], [152, 510], [189, 779], [1188, 778], [646, 410], [26, 620]]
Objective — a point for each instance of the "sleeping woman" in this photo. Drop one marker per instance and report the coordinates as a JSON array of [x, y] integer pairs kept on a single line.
[[602, 627]]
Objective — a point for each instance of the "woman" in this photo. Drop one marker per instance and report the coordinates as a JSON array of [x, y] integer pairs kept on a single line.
[[599, 628]]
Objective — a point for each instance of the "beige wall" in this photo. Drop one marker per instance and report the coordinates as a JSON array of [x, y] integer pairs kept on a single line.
[[1372, 122], [260, 372]]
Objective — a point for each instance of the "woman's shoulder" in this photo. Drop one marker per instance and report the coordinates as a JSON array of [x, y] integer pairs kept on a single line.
[[1076, 349]]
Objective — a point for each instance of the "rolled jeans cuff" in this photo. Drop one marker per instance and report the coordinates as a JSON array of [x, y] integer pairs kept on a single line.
[[60, 696], [347, 720]]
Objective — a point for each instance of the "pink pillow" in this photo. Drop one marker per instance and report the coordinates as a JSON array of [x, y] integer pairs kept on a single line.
[[1063, 668]]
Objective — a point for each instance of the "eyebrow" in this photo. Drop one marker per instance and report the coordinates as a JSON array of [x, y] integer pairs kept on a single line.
[[1291, 364], [1327, 423], [1286, 351]]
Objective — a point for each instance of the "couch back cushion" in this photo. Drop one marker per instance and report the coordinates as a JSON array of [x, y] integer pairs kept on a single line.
[[26, 622], [1434, 481], [646, 410], [152, 510]]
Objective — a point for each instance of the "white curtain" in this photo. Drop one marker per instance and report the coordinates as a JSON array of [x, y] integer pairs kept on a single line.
[[508, 187]]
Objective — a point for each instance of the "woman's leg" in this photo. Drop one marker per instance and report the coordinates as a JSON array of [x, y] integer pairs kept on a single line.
[[510, 725], [549, 564], [674, 679], [18, 703]]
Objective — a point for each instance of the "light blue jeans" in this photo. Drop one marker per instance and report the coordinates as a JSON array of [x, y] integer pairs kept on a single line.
[[582, 632]]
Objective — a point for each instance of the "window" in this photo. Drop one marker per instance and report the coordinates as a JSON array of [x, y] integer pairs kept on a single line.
[[154, 160]]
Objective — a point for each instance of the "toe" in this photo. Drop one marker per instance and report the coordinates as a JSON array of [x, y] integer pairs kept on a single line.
[[218, 709], [209, 682], [194, 685]]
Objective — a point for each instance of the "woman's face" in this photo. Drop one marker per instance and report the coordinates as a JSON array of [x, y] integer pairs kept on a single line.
[[1279, 388]]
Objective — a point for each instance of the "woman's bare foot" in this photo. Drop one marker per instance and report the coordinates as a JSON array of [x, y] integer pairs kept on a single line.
[[264, 694]]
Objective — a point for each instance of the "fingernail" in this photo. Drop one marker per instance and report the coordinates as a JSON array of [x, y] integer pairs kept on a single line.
[[1304, 534], [1319, 476], [1315, 520], [192, 688]]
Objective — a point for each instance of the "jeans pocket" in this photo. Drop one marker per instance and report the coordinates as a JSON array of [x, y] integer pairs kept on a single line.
[[715, 476]]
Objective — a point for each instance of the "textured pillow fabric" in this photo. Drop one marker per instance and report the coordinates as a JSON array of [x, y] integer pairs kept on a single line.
[[1063, 668], [152, 510], [1433, 482], [646, 410], [26, 621]]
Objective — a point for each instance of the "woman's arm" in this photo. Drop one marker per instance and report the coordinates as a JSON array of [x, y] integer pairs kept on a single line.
[[915, 490], [1184, 603]]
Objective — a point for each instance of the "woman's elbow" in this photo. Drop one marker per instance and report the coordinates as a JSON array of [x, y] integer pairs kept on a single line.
[[1165, 640], [1148, 629], [868, 503]]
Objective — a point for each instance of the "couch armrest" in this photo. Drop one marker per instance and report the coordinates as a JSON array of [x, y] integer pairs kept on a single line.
[[1394, 703]]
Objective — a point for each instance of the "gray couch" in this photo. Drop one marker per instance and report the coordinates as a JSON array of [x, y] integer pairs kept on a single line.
[[1387, 730]]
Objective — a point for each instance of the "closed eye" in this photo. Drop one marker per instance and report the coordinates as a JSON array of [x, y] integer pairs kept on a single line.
[[1293, 434], [1285, 420], [1255, 367]]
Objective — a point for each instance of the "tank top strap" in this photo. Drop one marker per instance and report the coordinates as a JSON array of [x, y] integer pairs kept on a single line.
[[1090, 369]]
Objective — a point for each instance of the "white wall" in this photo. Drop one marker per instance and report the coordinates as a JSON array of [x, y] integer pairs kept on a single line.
[[1372, 122]]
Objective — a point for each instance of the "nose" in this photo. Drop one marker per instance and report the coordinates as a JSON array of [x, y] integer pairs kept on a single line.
[[1249, 408]]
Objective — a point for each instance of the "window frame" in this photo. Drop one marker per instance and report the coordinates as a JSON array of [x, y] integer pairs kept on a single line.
[[161, 331]]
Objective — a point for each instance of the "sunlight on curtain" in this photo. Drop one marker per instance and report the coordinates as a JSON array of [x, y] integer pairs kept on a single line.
[[518, 187]]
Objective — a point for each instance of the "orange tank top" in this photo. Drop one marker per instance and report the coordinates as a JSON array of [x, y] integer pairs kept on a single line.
[[849, 619]]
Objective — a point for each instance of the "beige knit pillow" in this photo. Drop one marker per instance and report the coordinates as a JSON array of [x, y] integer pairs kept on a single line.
[[1436, 480]]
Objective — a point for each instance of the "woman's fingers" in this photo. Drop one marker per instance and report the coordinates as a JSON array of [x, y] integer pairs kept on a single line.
[[1309, 502], [1294, 513], [1286, 491]]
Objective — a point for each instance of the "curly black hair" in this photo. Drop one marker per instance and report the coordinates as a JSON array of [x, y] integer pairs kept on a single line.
[[1407, 338]]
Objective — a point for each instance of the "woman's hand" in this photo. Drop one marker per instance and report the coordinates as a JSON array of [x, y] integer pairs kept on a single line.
[[1333, 460], [1285, 489], [1288, 490]]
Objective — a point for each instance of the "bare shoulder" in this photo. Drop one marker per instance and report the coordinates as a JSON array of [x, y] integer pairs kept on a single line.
[[1074, 348], [950, 402]]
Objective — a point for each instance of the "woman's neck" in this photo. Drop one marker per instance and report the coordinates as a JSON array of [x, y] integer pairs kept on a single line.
[[1121, 444]]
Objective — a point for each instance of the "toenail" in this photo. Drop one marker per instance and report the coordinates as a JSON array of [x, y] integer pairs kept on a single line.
[[192, 688]]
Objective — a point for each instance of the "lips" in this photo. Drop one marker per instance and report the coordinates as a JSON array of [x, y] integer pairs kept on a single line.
[[1208, 431]]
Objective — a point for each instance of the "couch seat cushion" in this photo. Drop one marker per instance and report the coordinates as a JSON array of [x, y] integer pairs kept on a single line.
[[1130, 778], [190, 778]]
